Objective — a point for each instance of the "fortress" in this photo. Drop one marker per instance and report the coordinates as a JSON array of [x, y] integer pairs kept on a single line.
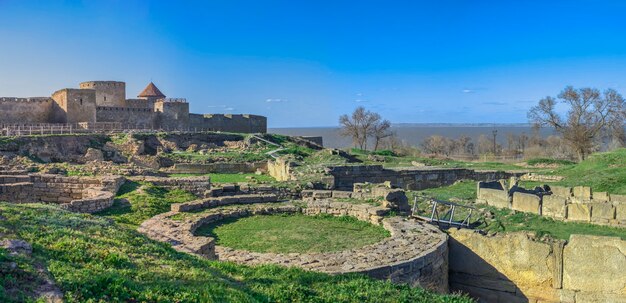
[[104, 103]]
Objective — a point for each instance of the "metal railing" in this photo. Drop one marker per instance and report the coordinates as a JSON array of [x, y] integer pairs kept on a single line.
[[20, 130], [446, 218]]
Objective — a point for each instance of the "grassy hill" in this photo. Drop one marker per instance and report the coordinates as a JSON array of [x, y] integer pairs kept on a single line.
[[93, 259]]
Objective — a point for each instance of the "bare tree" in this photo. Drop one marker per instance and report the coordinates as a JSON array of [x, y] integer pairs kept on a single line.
[[589, 113], [363, 124], [381, 130]]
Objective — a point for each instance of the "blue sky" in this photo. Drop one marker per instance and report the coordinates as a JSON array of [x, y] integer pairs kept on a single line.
[[304, 64]]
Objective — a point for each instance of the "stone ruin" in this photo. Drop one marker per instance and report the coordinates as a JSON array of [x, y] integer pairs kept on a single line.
[[579, 203]]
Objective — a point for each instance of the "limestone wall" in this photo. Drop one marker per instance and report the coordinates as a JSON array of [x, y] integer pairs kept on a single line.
[[80, 194], [25, 110], [229, 123], [130, 117], [579, 203], [517, 268], [344, 177], [108, 93]]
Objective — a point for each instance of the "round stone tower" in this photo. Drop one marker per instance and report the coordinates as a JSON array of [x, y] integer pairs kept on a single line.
[[108, 93]]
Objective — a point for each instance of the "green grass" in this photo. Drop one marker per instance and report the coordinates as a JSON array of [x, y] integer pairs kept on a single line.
[[93, 259], [146, 201], [601, 171], [463, 190], [294, 233], [229, 178], [545, 161], [507, 220], [405, 161]]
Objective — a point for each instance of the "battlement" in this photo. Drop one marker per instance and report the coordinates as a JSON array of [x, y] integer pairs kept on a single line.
[[92, 84], [124, 109], [30, 99], [232, 116], [172, 100]]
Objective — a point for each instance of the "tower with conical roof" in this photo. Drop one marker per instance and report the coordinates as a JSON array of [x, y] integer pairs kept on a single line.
[[151, 93]]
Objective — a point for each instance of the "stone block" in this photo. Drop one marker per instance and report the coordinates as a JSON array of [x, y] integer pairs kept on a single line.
[[595, 264], [494, 197], [601, 196], [341, 194], [620, 213], [526, 203], [554, 207], [582, 193], [602, 212], [578, 212], [618, 199], [322, 194]]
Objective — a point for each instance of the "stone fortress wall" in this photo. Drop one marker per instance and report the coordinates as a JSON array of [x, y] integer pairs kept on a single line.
[[578, 203], [105, 101]]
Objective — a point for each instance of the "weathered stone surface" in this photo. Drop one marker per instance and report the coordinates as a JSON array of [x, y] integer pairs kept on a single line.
[[578, 212], [602, 212], [561, 191], [601, 196], [494, 197], [554, 206], [583, 193], [620, 213], [594, 264], [526, 202], [504, 268]]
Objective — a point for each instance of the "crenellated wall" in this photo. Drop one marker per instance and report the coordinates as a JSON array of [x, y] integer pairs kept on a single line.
[[26, 110], [229, 123], [128, 116]]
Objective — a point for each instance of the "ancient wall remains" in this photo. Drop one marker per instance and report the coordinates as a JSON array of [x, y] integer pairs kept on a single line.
[[199, 186], [344, 177], [74, 105], [108, 93], [218, 167], [79, 194], [415, 254], [518, 268], [229, 123], [578, 203], [280, 169], [25, 110]]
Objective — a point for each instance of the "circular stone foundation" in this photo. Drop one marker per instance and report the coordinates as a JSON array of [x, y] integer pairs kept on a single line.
[[295, 233], [416, 253]]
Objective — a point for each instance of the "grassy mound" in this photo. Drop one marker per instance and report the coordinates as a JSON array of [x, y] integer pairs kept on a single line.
[[93, 259], [145, 201], [601, 171], [294, 233]]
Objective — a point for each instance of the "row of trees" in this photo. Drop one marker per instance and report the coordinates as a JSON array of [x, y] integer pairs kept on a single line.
[[591, 118]]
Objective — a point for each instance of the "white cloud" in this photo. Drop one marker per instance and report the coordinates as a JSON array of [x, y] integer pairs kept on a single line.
[[275, 100], [229, 108], [467, 91]]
